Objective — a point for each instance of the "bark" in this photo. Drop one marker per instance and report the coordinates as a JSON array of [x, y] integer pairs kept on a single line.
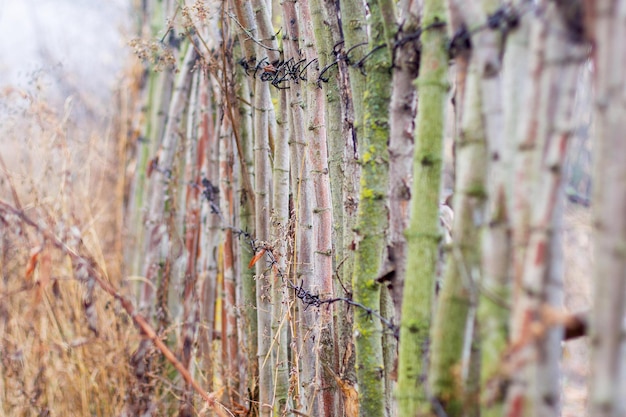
[[321, 344], [454, 324], [213, 253], [607, 388], [328, 35], [401, 131], [351, 24], [390, 353], [303, 205], [372, 217], [157, 100], [423, 234], [302, 249], [327, 32], [246, 223], [354, 28], [262, 215], [481, 119], [159, 95], [525, 157], [207, 262], [247, 30], [280, 294], [190, 225], [524, 165], [230, 340], [266, 47], [496, 283]]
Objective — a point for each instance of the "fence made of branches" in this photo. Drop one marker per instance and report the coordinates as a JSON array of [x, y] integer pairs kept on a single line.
[[354, 208]]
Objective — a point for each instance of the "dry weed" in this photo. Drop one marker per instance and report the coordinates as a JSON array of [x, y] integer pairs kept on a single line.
[[64, 344]]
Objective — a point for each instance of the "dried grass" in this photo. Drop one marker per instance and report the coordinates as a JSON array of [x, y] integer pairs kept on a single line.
[[62, 172]]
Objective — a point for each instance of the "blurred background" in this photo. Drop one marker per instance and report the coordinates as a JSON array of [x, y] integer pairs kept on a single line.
[[64, 47]]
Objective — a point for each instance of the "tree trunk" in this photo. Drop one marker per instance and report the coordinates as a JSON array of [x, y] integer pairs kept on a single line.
[[607, 396], [372, 217], [454, 324], [423, 234], [401, 132]]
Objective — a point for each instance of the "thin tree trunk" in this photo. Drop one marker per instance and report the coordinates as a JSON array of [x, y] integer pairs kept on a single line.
[[190, 224], [481, 128], [354, 33], [327, 31], [354, 28], [280, 224], [607, 396], [262, 217], [539, 353], [230, 340], [266, 47], [246, 223], [525, 158], [423, 234], [453, 329], [372, 215], [525, 165], [320, 342], [159, 94], [401, 132], [303, 209], [303, 202], [207, 264], [495, 286]]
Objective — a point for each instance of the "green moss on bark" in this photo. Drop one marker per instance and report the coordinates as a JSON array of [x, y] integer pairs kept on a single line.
[[423, 233]]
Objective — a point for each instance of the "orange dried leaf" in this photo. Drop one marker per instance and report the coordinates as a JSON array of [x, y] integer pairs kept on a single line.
[[256, 258], [351, 400], [348, 392], [32, 262]]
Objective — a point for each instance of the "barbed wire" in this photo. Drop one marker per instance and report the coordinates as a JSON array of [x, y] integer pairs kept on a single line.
[[280, 73], [504, 19], [260, 249]]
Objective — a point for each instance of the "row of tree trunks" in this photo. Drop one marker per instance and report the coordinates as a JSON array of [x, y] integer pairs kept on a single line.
[[299, 218]]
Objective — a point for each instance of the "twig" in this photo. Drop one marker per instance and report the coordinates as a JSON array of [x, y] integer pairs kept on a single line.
[[252, 38]]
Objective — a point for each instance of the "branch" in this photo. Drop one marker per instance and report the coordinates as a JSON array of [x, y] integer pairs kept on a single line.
[[249, 33]]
